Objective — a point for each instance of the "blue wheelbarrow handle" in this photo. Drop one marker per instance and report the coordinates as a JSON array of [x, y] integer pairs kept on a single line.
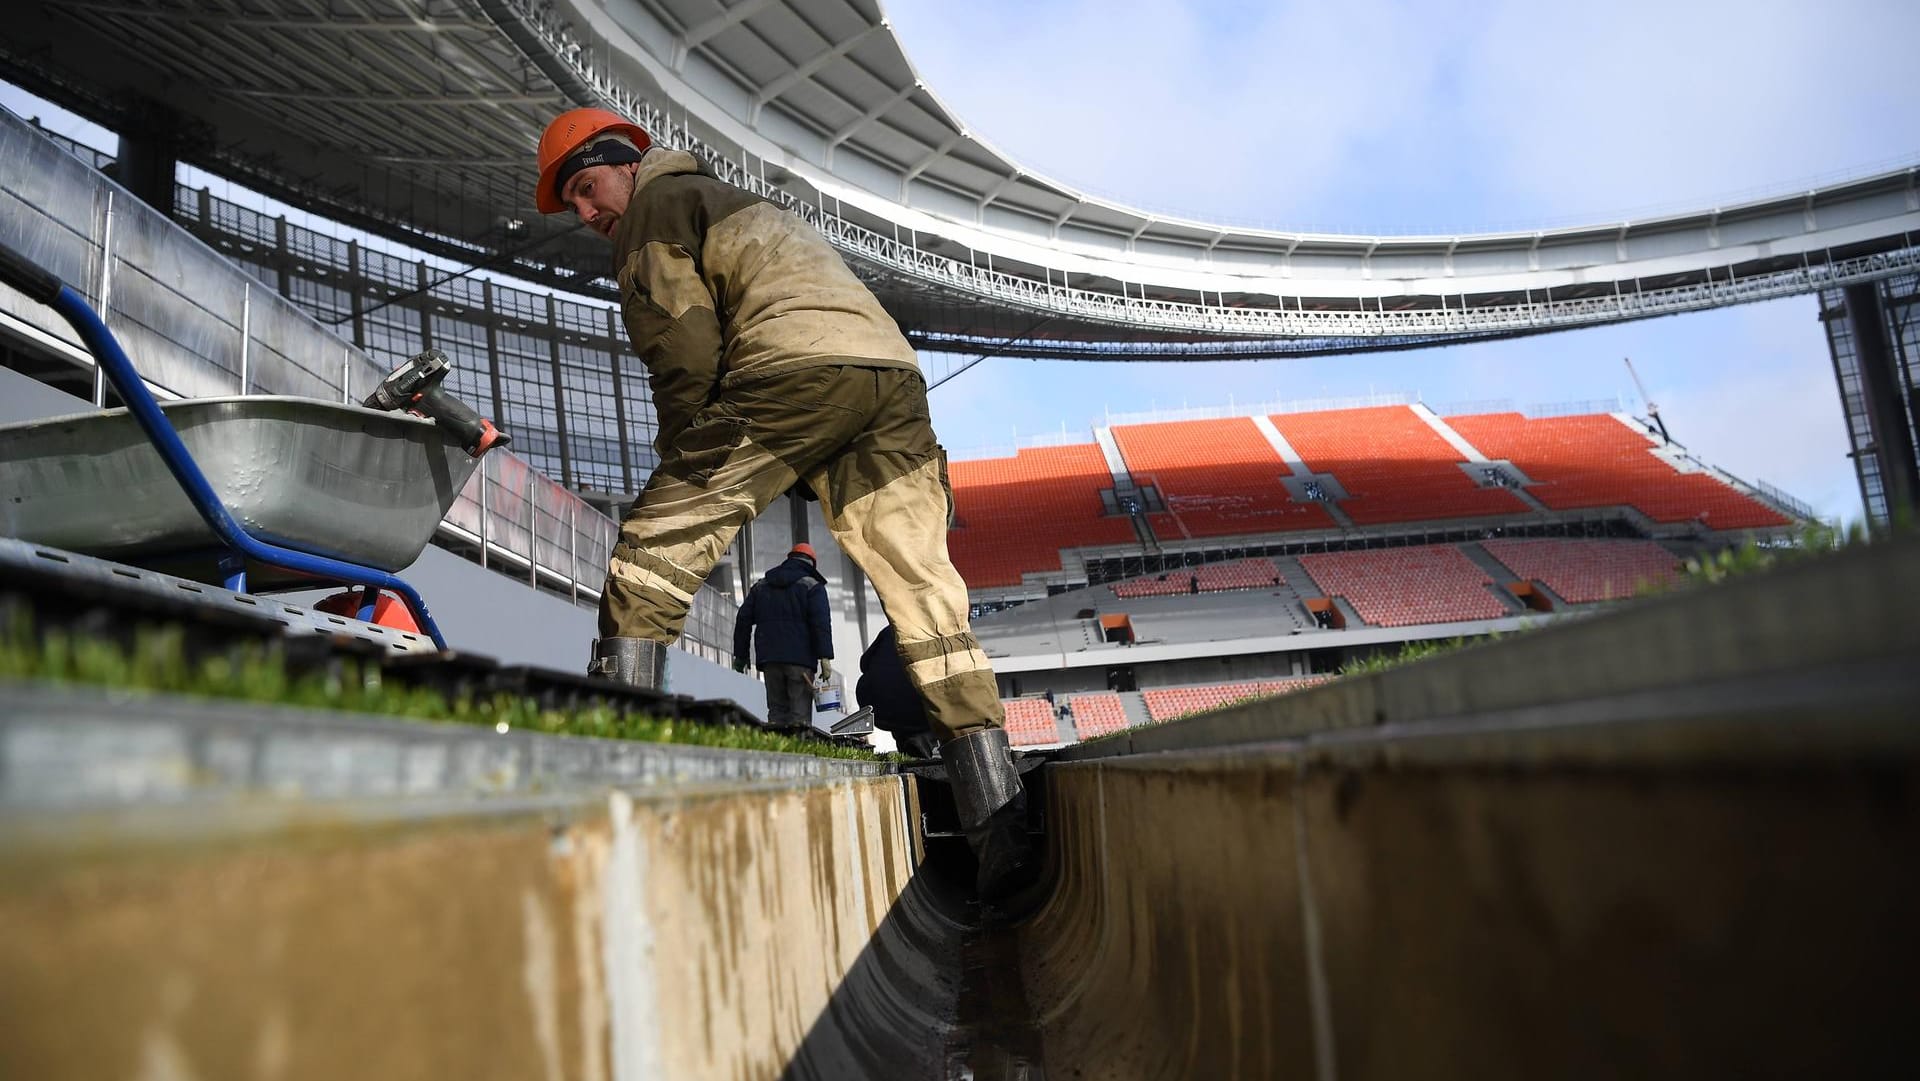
[[42, 285]]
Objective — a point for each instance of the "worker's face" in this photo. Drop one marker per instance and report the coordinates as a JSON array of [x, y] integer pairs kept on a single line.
[[599, 194]]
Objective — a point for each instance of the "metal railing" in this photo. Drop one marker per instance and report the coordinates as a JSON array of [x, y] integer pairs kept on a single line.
[[197, 325]]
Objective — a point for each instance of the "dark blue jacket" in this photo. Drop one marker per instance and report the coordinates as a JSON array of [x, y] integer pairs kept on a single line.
[[786, 616], [897, 707]]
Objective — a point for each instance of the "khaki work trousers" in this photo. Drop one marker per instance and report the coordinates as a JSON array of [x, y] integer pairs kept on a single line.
[[862, 440]]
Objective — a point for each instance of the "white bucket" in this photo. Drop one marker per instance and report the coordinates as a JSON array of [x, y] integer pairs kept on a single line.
[[826, 696]]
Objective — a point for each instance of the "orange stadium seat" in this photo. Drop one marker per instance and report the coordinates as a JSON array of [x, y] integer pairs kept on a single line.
[[1015, 514], [1217, 477], [1584, 571], [1401, 587], [1596, 461], [1167, 703], [1097, 714], [1030, 722], [1393, 466], [1206, 578]]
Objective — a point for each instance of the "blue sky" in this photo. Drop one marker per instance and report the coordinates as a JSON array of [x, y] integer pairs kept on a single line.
[[1379, 117]]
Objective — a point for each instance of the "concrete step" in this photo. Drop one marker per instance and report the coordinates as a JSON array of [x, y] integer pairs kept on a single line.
[[1483, 559], [1296, 576]]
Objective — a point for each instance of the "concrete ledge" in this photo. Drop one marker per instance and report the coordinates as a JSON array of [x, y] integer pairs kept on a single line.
[[736, 931], [63, 747]]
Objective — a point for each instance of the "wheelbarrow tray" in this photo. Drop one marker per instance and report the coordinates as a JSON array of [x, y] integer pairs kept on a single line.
[[336, 480]]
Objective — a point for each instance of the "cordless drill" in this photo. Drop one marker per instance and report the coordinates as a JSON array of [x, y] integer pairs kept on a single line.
[[415, 387]]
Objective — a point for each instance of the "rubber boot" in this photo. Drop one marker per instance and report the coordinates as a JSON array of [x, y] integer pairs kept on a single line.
[[638, 661], [993, 812]]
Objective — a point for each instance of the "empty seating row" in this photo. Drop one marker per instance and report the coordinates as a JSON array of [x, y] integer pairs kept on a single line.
[[1097, 714], [1257, 573], [1207, 578], [1217, 477], [1393, 466], [1167, 703], [1030, 722], [1584, 571], [1016, 514], [1401, 587], [1162, 585], [1597, 461]]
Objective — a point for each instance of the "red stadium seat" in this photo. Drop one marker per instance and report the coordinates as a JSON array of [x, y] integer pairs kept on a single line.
[[1097, 714], [1583, 571], [1017, 513], [1393, 467], [1030, 722], [1210, 578], [1218, 478], [1596, 461], [1168, 703], [1402, 587]]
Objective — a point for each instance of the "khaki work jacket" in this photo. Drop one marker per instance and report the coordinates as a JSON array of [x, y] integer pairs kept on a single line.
[[720, 287]]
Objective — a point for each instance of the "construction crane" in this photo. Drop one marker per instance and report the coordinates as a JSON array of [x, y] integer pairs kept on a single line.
[[1653, 410]]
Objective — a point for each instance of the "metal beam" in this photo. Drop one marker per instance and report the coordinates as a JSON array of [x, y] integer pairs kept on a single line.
[[927, 162], [994, 193], [699, 34], [871, 115], [807, 70]]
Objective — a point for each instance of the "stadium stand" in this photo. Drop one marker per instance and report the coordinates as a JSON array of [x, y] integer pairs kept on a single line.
[[1584, 571], [1030, 722], [1217, 478], [1015, 514], [1240, 574], [1401, 587], [1167, 703], [1163, 585], [1097, 714], [1393, 466], [1207, 578], [1596, 461]]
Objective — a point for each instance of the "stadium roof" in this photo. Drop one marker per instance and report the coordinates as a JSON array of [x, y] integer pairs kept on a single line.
[[418, 119]]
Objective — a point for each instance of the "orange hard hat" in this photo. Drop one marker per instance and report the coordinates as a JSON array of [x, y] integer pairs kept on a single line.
[[569, 132], [803, 549]]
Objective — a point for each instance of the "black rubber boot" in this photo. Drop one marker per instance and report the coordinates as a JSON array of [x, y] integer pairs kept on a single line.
[[993, 812], [638, 661]]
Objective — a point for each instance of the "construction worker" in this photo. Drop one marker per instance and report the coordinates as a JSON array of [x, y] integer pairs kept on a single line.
[[773, 366], [897, 709], [786, 622]]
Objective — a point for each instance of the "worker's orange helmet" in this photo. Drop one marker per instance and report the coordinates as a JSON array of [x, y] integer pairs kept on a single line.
[[569, 132], [803, 549]]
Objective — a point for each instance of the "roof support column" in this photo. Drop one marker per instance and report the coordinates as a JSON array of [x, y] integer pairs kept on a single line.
[[1883, 385]]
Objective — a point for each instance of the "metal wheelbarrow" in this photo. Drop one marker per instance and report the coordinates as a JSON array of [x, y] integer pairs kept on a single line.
[[294, 491]]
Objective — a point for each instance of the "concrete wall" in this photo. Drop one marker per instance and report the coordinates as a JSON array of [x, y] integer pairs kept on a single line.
[[1671, 841], [1254, 916], [725, 933]]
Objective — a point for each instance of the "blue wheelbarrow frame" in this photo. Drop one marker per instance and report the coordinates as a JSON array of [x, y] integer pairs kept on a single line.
[[42, 285]]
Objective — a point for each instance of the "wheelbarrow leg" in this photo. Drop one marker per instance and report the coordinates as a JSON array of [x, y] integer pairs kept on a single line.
[[233, 572]]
